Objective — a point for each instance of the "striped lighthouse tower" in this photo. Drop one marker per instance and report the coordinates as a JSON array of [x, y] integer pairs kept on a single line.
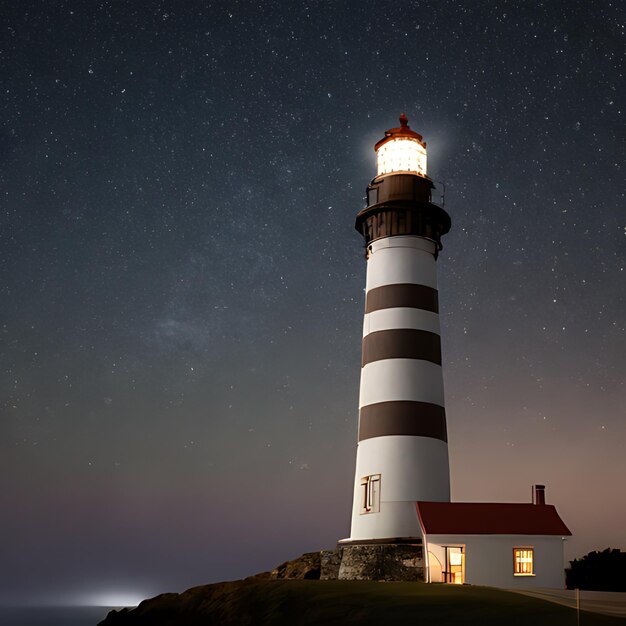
[[402, 453]]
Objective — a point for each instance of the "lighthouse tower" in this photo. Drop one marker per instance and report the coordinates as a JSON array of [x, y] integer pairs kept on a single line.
[[402, 453]]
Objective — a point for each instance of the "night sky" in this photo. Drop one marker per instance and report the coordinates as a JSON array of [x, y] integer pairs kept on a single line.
[[182, 285]]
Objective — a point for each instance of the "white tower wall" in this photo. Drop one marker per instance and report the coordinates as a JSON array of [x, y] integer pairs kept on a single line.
[[402, 433]]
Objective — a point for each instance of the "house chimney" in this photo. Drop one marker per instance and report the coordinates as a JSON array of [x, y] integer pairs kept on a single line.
[[539, 494]]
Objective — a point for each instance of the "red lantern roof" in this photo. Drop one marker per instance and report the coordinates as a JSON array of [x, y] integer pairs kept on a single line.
[[401, 131]]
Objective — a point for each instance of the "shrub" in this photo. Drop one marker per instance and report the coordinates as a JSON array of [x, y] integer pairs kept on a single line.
[[598, 571]]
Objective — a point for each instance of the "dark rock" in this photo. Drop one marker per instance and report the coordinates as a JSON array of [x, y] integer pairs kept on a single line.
[[305, 567], [266, 597]]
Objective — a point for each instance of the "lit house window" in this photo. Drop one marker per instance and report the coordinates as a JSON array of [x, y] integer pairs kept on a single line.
[[370, 494], [523, 562]]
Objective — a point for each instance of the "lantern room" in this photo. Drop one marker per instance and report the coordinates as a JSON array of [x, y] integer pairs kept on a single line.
[[399, 198], [401, 150]]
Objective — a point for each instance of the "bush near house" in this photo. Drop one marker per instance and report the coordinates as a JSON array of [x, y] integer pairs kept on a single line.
[[598, 571]]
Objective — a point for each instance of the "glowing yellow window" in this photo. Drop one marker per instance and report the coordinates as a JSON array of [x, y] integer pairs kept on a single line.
[[523, 562]]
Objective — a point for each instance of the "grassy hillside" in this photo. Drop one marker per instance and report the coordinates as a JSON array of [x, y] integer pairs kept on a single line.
[[259, 602]]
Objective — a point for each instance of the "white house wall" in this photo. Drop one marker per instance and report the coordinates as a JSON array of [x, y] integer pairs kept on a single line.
[[489, 559]]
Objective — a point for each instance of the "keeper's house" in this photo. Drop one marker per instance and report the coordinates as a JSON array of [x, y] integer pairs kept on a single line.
[[495, 544]]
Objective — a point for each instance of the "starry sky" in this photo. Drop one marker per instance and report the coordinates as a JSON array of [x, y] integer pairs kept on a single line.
[[182, 285]]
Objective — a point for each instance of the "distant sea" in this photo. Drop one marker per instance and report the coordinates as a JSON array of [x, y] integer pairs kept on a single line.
[[52, 615]]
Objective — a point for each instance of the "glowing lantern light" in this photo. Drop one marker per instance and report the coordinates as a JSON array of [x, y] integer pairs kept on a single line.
[[401, 150]]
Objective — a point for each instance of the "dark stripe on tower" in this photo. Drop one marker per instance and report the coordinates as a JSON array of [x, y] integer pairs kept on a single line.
[[401, 343], [402, 295], [403, 417]]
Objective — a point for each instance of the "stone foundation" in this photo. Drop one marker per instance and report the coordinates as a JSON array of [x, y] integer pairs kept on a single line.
[[330, 561], [374, 561]]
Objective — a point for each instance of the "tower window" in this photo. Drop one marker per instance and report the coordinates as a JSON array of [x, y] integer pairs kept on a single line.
[[370, 494], [523, 561]]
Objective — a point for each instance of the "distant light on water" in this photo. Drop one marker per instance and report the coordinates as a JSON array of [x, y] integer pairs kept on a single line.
[[111, 598]]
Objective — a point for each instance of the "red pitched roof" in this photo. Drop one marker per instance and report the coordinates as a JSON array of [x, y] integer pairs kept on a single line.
[[489, 518]]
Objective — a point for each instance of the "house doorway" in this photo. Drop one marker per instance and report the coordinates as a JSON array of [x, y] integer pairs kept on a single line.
[[454, 572]]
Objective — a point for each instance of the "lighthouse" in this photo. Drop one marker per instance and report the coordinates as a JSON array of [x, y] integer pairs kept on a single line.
[[404, 527], [402, 451]]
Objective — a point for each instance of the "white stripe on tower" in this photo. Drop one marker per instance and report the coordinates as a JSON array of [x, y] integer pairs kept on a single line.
[[401, 260], [400, 317], [401, 379]]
